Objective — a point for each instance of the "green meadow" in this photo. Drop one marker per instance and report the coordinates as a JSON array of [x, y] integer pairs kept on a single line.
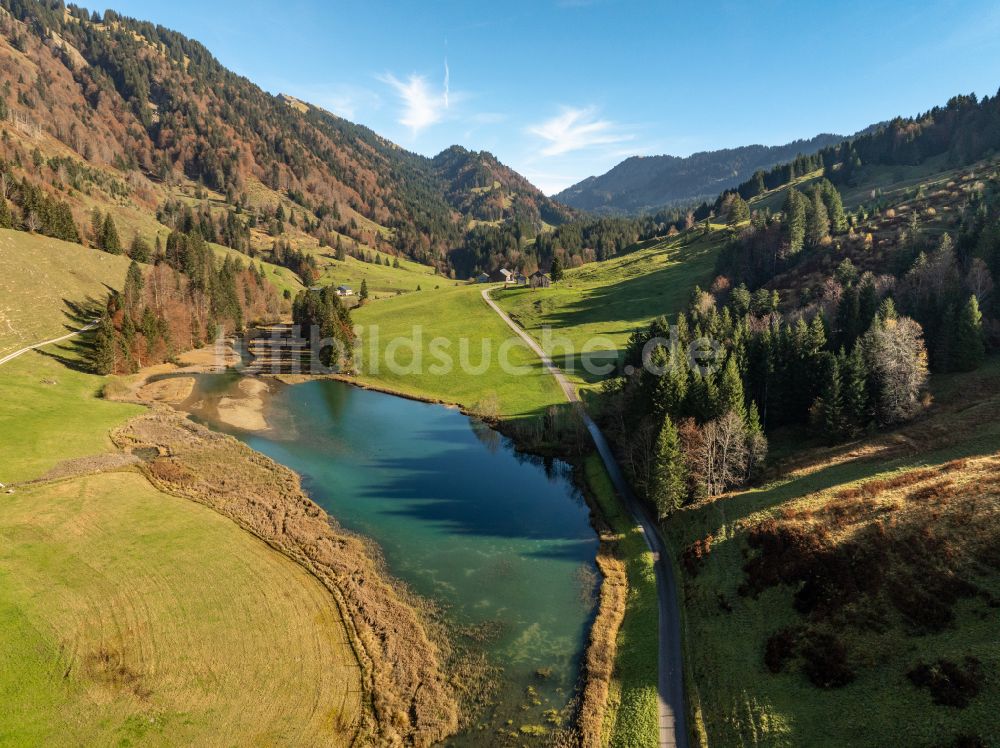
[[595, 308], [453, 321]]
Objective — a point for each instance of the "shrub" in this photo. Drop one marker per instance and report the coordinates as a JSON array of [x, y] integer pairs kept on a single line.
[[949, 684], [780, 648], [826, 664]]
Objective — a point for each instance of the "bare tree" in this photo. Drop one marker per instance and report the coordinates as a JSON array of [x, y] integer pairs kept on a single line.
[[895, 352], [979, 281], [718, 458]]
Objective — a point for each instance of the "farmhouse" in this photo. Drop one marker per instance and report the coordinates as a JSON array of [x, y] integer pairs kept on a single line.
[[344, 291], [540, 280], [483, 278], [502, 275], [519, 279]]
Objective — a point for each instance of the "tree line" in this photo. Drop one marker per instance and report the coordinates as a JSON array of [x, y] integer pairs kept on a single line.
[[182, 302], [689, 418]]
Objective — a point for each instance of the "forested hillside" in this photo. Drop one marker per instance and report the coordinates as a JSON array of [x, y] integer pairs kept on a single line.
[[122, 113], [648, 183]]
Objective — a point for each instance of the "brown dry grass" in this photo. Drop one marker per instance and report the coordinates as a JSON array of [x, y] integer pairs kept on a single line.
[[599, 661], [410, 698]]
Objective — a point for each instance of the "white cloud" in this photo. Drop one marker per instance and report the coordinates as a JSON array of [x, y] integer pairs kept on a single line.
[[575, 130], [422, 105], [447, 77]]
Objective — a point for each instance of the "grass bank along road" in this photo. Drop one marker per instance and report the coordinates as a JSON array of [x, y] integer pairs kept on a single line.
[[15, 354], [670, 687]]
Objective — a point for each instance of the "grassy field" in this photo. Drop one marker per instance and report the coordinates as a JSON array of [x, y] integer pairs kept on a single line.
[[51, 412], [455, 314], [631, 718], [604, 302], [41, 281], [890, 494], [131, 617], [381, 280]]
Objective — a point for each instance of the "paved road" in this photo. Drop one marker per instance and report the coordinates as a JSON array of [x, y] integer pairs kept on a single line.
[[15, 354], [673, 731]]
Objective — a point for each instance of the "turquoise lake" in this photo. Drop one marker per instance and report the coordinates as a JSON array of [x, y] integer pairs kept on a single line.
[[499, 540]]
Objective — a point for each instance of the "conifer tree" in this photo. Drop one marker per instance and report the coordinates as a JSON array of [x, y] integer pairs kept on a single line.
[[363, 293], [109, 240], [795, 220], [829, 409], [104, 345], [855, 385], [739, 211], [132, 291], [818, 220], [139, 251], [668, 476], [6, 219], [834, 207], [556, 270], [731, 390], [887, 310], [672, 388], [968, 349]]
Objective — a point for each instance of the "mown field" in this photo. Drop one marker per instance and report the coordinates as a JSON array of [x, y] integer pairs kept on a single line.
[[128, 616], [131, 617], [49, 287], [855, 568], [596, 307], [461, 321]]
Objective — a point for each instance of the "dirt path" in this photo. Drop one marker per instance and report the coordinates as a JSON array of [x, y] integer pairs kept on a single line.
[[672, 728], [15, 354]]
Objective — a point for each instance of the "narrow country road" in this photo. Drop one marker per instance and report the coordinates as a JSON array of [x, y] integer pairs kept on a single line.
[[15, 354], [673, 730]]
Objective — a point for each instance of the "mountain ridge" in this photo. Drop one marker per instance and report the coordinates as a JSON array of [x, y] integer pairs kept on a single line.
[[646, 183]]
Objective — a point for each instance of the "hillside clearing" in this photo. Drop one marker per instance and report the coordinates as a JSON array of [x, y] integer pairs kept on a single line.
[[49, 287], [898, 531]]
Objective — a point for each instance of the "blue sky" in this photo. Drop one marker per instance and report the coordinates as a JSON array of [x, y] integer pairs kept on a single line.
[[563, 89]]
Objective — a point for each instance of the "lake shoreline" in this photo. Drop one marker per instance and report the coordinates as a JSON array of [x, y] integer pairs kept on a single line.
[[594, 675], [412, 681]]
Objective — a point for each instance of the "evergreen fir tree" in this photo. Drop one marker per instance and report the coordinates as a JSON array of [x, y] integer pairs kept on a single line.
[[6, 219], [731, 390], [109, 240], [132, 291], [739, 211], [103, 356], [556, 270], [969, 350], [856, 391], [818, 220], [830, 405], [834, 207], [668, 476], [363, 293], [795, 220]]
